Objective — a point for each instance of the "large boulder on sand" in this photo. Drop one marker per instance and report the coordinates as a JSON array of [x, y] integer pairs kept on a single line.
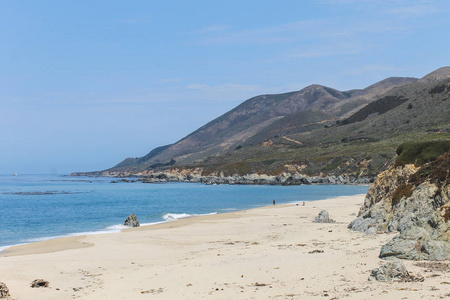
[[323, 217], [132, 221]]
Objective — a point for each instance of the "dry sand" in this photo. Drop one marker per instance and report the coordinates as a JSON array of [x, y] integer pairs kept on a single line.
[[273, 252]]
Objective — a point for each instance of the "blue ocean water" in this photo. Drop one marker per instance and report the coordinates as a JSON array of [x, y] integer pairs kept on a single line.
[[38, 207]]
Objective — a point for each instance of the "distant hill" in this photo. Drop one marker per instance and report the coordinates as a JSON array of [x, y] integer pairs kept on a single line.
[[321, 129]]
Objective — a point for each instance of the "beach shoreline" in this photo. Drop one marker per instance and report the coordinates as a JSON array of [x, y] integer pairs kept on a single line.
[[48, 206], [273, 252], [115, 228]]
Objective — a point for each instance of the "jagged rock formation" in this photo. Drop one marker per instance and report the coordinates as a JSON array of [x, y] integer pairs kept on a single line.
[[132, 221], [323, 217], [377, 206], [197, 175], [255, 179], [414, 200], [392, 271]]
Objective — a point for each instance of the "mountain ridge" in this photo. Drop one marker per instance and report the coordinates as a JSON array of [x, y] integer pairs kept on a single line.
[[281, 126], [264, 108]]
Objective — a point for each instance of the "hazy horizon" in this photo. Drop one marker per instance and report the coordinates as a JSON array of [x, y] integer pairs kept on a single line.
[[84, 85]]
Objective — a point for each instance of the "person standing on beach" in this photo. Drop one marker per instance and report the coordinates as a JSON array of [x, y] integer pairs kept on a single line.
[[273, 202]]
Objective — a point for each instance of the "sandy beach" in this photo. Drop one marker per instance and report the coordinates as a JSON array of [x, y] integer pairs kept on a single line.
[[274, 252]]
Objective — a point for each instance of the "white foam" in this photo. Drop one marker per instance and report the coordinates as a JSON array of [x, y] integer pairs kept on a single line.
[[109, 229], [115, 227], [229, 209], [9, 246], [173, 216], [154, 223]]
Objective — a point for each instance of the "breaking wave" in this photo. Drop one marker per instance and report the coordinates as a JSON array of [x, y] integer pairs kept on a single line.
[[173, 216]]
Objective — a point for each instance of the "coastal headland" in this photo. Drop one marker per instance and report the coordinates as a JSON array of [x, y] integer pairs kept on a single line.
[[293, 177], [274, 252]]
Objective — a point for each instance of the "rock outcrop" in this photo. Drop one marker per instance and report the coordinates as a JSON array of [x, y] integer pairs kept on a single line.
[[132, 221], [196, 176], [392, 271], [292, 176], [414, 201], [4, 291], [377, 207], [323, 217]]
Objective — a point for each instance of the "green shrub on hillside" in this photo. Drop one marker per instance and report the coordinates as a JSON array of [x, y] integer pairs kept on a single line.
[[437, 172], [380, 107], [421, 152]]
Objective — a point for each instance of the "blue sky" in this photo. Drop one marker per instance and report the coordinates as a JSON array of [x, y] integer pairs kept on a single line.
[[84, 84]]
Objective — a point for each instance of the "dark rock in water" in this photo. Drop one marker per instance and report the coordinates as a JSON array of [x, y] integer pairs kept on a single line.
[[37, 283], [392, 271], [4, 291], [323, 217], [132, 221]]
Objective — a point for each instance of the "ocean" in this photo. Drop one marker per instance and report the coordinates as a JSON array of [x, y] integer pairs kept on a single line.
[[41, 207]]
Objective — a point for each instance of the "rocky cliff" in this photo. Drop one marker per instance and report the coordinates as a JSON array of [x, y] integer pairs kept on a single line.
[[199, 175], [413, 199]]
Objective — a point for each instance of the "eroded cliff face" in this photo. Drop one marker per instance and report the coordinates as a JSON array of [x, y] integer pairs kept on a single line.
[[415, 202], [381, 193]]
